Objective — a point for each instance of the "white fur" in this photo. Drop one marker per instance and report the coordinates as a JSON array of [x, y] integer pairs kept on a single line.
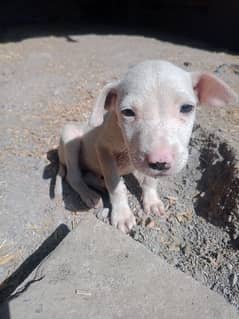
[[116, 144]]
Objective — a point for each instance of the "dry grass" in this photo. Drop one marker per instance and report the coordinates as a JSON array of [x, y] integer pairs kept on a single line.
[[47, 136], [6, 258]]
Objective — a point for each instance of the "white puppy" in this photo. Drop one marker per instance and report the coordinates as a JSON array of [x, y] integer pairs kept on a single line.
[[142, 122]]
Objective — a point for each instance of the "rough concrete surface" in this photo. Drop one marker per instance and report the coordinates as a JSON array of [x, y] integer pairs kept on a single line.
[[48, 79], [97, 272]]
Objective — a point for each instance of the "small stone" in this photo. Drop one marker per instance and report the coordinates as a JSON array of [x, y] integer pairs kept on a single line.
[[102, 213], [230, 267], [233, 279], [187, 64], [147, 221], [83, 293], [184, 216], [150, 224]]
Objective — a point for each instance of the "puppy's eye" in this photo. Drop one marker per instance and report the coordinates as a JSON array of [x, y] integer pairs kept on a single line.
[[128, 112], [186, 108]]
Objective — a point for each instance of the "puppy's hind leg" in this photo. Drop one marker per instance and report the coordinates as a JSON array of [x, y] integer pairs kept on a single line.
[[95, 181], [69, 151]]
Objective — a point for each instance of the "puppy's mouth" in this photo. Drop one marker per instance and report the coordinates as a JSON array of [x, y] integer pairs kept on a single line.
[[154, 173], [144, 167]]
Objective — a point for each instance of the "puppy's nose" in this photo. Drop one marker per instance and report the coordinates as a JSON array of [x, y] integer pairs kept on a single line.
[[160, 159], [160, 166]]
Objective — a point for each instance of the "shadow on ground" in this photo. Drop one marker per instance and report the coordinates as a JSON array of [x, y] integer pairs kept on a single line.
[[206, 24], [134, 187], [219, 184], [69, 30], [59, 187], [8, 286]]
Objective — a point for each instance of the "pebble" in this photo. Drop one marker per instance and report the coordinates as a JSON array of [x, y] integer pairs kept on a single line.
[[233, 279], [150, 224], [230, 267], [187, 64], [102, 213]]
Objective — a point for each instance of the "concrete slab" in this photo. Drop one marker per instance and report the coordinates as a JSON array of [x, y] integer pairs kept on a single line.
[[97, 272]]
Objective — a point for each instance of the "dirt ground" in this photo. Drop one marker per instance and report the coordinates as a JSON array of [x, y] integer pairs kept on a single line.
[[47, 81]]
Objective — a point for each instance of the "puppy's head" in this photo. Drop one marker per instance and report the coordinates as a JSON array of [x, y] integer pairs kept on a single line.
[[155, 106]]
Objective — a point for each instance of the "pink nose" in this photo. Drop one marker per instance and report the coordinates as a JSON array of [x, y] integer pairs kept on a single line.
[[160, 156], [160, 160]]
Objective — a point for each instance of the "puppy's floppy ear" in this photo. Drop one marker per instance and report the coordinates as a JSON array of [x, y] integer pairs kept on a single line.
[[210, 90], [105, 102]]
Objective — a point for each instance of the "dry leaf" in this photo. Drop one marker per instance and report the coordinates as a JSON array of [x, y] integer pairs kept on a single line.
[[6, 259], [184, 216]]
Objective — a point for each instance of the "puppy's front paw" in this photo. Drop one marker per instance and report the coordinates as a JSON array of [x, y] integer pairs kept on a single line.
[[153, 204], [122, 218]]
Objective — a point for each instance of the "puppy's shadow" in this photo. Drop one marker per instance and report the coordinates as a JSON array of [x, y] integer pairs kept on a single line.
[[71, 199], [50, 171], [134, 187], [59, 187]]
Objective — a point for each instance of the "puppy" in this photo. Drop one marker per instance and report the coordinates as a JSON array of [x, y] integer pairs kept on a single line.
[[142, 122]]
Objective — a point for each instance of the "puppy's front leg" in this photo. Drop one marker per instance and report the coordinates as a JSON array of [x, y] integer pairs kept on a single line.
[[151, 201], [121, 215]]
